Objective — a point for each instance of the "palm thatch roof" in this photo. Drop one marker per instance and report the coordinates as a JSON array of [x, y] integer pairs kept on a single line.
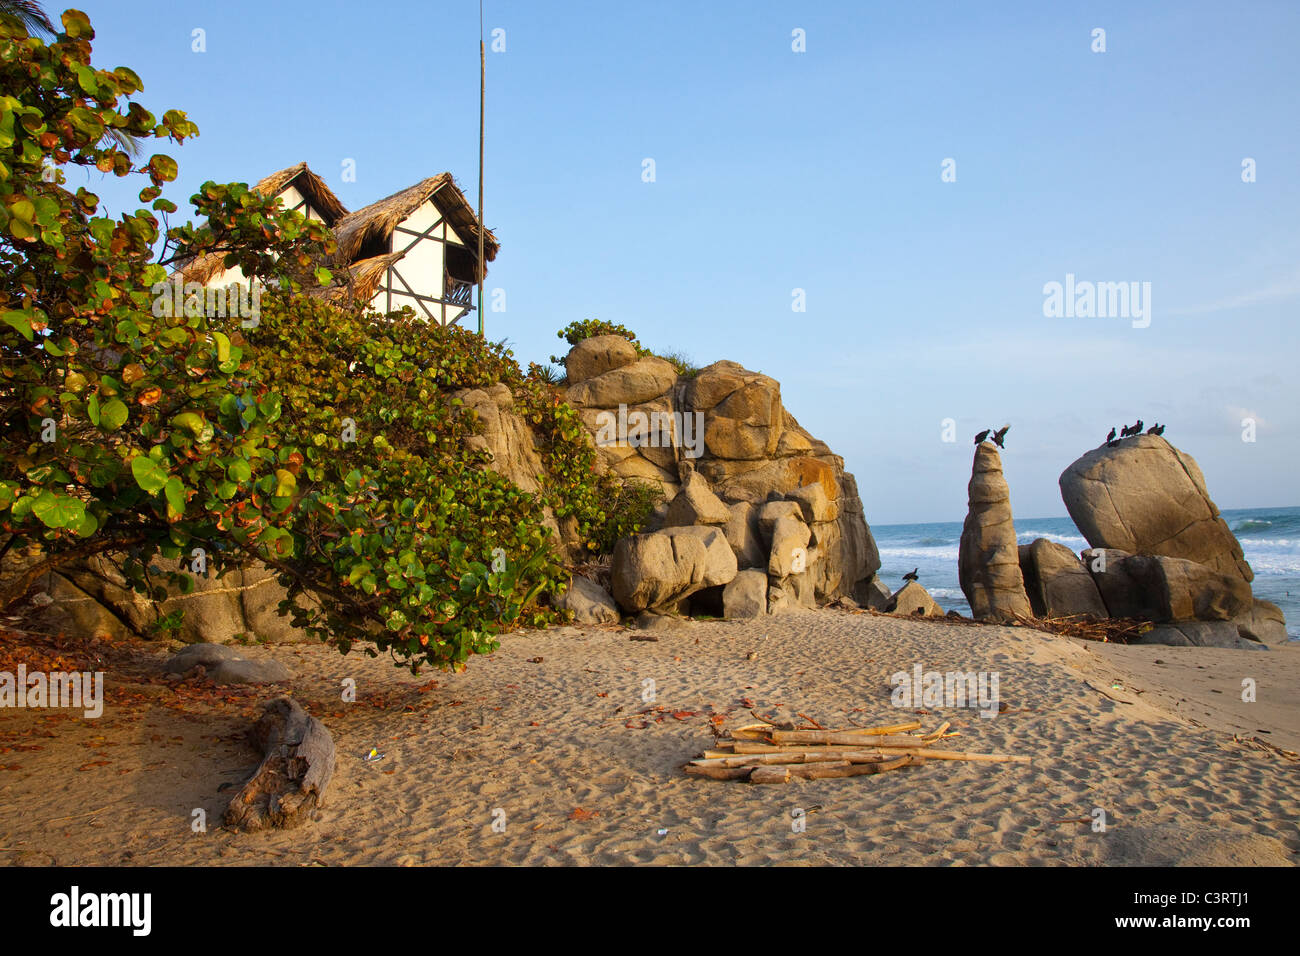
[[361, 232], [373, 225], [312, 187], [300, 177]]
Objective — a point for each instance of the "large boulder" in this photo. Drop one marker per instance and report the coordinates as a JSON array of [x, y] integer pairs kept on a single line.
[[589, 602], [1158, 588], [1143, 495], [745, 595], [988, 558], [1176, 589], [92, 597], [1199, 634], [697, 504], [789, 552], [1057, 583], [661, 568], [912, 600], [1263, 622], [596, 356], [647, 378], [742, 534]]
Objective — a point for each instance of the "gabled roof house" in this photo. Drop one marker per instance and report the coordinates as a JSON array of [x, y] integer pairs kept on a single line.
[[417, 247]]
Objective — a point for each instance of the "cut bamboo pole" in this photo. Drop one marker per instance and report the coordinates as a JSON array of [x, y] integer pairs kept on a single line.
[[837, 736], [719, 773], [821, 771], [843, 737], [864, 755]]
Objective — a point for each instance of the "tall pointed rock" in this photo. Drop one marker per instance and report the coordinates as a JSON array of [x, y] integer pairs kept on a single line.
[[988, 561]]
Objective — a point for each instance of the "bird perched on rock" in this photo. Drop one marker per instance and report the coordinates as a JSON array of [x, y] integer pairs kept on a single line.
[[1000, 435], [982, 435], [911, 575], [1137, 429], [1156, 429], [1111, 437]]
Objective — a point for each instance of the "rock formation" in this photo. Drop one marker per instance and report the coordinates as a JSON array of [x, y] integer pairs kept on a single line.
[[1160, 549], [1057, 583], [1144, 496], [727, 455], [912, 599], [988, 558]]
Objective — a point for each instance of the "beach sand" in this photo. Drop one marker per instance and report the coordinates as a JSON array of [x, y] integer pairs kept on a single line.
[[551, 737]]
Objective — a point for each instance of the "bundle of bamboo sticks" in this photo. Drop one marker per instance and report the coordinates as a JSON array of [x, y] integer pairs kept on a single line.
[[762, 753]]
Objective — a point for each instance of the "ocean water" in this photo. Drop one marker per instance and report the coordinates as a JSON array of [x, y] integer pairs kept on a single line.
[[1270, 538]]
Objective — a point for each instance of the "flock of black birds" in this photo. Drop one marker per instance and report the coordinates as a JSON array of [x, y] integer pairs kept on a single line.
[[1135, 429], [999, 436]]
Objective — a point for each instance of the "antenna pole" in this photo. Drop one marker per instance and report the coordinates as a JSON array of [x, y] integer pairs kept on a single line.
[[482, 99]]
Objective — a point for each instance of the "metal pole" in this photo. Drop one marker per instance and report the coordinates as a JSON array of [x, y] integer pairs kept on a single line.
[[482, 98]]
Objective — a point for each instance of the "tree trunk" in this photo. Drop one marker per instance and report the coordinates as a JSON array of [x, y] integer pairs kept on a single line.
[[296, 768]]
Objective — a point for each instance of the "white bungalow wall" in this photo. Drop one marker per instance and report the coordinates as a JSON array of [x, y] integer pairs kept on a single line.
[[418, 275]]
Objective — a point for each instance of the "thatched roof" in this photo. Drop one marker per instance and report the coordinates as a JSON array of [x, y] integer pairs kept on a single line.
[[362, 282], [371, 225], [311, 186], [377, 221]]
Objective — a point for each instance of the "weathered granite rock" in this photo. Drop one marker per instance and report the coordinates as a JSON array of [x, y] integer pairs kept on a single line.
[[596, 356], [745, 595], [988, 558], [207, 655], [1057, 583], [1200, 634], [1175, 589], [779, 600], [91, 597], [742, 534], [913, 600], [660, 568], [789, 552], [1145, 496], [1264, 622], [647, 378], [770, 512], [697, 504], [873, 593], [1121, 594], [816, 505], [249, 672], [226, 665], [588, 602]]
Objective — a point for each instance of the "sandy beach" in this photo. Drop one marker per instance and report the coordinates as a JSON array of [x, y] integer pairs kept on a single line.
[[550, 737]]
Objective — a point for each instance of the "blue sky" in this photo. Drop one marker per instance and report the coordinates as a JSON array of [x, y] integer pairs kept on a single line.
[[820, 170]]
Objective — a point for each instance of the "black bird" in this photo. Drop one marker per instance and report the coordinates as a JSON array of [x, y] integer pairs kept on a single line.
[[1137, 429], [1153, 429], [981, 436], [1160, 429], [1111, 437], [911, 575], [1000, 435]]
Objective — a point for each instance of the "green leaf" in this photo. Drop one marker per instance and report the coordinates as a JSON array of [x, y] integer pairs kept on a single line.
[[175, 493], [58, 511], [113, 415], [20, 321], [149, 475]]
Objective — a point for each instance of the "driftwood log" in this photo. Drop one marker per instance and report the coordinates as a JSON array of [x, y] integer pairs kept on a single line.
[[297, 764]]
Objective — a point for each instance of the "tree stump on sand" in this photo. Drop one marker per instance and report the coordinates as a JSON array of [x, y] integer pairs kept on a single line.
[[296, 768]]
